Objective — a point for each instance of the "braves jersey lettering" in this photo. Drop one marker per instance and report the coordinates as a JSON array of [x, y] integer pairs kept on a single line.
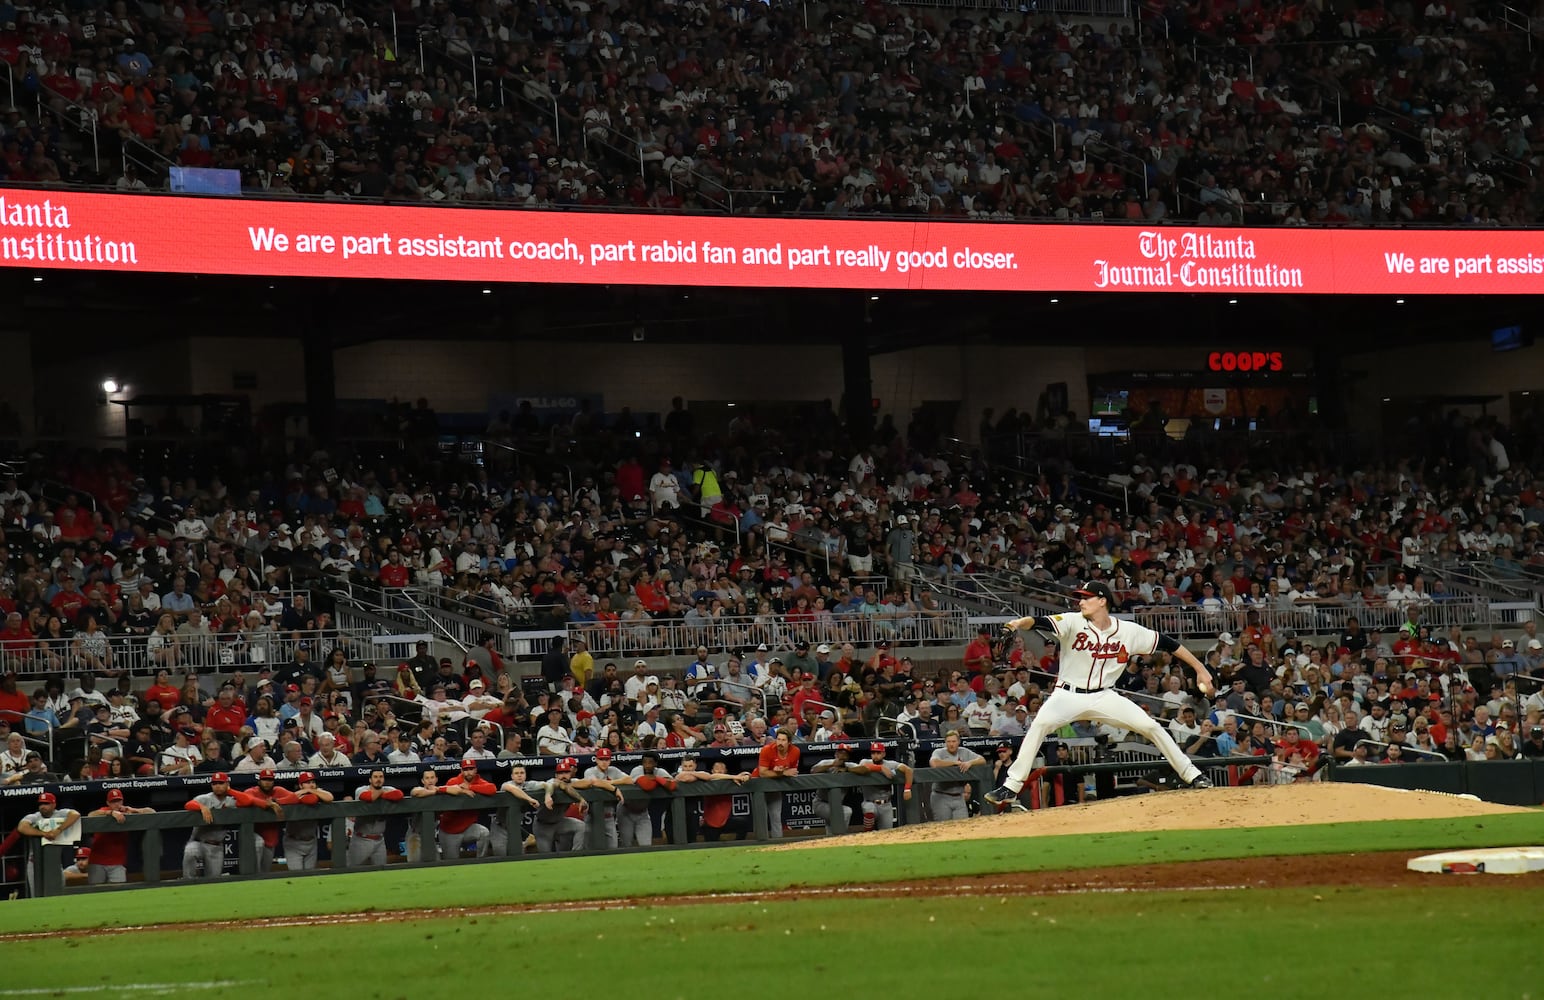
[[1091, 660]]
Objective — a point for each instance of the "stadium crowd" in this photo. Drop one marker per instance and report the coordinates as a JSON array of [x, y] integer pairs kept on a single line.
[[166, 629], [1210, 110]]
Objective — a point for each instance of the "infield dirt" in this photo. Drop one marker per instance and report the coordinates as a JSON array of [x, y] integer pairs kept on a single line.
[[1215, 808]]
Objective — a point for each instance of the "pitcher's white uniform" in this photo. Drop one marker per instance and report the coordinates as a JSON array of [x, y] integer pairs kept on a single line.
[[1091, 663]]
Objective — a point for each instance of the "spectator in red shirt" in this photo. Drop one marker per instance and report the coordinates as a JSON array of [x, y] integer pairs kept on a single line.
[[978, 655], [164, 691], [227, 714], [394, 573]]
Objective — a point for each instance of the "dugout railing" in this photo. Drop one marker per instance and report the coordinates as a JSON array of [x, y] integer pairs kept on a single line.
[[161, 829], [169, 829]]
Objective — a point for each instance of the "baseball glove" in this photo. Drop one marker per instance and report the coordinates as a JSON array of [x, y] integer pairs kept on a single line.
[[1007, 631]]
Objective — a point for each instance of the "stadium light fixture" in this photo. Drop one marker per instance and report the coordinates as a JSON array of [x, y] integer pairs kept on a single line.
[[109, 385]]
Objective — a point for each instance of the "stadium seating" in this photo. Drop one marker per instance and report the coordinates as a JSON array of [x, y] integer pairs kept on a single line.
[[1209, 110]]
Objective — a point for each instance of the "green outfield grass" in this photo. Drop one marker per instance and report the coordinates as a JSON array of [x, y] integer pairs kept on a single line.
[[737, 869], [1437, 943]]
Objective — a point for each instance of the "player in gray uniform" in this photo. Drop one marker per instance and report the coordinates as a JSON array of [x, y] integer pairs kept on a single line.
[[368, 844], [301, 835], [878, 804], [1095, 649], [206, 847], [949, 798], [841, 764], [555, 829], [522, 789], [603, 775], [637, 825], [46, 824]]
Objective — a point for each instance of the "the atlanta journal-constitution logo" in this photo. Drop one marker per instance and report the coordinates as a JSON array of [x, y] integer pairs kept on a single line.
[[40, 231], [1195, 260]]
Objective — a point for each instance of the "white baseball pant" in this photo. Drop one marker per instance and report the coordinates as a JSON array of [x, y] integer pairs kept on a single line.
[[498, 841], [1065, 706], [451, 843], [948, 805], [209, 856], [635, 829], [111, 874], [567, 832], [608, 821], [299, 855], [878, 815], [775, 815], [363, 850], [823, 810]]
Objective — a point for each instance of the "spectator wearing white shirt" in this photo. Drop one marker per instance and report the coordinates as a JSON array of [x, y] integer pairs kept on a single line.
[[192, 527], [1012, 725], [979, 714], [1400, 595]]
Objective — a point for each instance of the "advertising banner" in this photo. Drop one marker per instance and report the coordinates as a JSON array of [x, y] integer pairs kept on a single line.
[[192, 235]]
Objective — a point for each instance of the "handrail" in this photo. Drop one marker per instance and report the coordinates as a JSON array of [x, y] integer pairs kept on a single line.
[[79, 124], [614, 140], [1277, 723], [433, 622], [490, 442], [132, 653], [1403, 748]]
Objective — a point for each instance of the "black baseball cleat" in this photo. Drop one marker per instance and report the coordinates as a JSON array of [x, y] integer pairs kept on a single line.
[[1201, 781], [1001, 796]]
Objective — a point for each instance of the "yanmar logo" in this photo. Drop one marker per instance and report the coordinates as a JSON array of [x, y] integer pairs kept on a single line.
[[1195, 260], [1101, 650]]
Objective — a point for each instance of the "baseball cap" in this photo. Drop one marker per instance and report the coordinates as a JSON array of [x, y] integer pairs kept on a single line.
[[256, 741], [219, 778], [1300, 707], [82, 853], [1094, 588], [47, 799], [470, 764], [477, 683], [823, 648], [1535, 644], [1226, 638], [876, 747], [306, 776], [604, 753], [1508, 644], [567, 764], [640, 663], [115, 795], [266, 773]]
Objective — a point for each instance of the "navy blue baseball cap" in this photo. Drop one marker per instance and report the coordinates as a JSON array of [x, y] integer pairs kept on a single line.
[[1096, 589]]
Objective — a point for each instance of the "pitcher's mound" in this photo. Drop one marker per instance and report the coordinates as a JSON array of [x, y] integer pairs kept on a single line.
[[1265, 805]]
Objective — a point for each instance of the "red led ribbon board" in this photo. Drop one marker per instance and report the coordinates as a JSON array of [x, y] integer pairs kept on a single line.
[[187, 235]]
